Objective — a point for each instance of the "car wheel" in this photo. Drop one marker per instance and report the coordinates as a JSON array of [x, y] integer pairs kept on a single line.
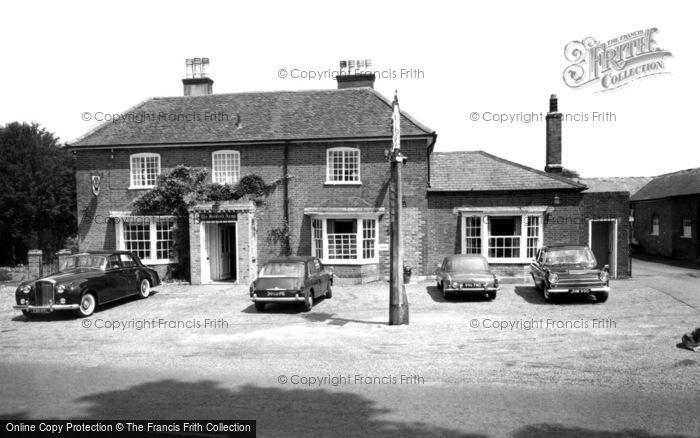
[[439, 285], [144, 288], [329, 292], [492, 295], [260, 307], [27, 314], [547, 296], [538, 286], [445, 294], [309, 301], [88, 302], [601, 296]]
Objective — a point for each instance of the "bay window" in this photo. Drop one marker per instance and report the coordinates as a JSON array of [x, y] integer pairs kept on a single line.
[[502, 235], [344, 240], [149, 237]]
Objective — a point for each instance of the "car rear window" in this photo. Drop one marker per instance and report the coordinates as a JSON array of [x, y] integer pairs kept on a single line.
[[465, 264], [282, 270]]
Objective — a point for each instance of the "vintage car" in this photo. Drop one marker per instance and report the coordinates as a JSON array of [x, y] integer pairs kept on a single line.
[[560, 270], [291, 279], [85, 281], [466, 274]]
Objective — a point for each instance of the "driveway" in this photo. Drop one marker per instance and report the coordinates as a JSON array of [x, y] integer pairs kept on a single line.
[[515, 366]]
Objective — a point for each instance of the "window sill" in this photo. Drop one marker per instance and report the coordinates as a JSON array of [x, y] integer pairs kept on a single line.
[[349, 262], [140, 187], [509, 261], [686, 237], [158, 262], [654, 235], [342, 183]]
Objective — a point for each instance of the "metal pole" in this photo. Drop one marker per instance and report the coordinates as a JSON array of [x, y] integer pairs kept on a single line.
[[398, 303]]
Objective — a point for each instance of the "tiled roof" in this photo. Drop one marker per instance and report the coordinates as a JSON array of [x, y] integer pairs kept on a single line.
[[253, 117], [685, 182], [479, 171], [629, 184]]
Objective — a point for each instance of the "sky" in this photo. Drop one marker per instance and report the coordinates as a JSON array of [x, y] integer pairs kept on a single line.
[[61, 59]]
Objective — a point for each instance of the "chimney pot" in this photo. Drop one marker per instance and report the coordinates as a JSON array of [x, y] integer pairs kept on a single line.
[[197, 82], [553, 104]]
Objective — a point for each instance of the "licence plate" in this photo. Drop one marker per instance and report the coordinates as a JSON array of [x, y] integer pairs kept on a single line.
[[275, 294], [39, 310], [580, 291], [472, 285]]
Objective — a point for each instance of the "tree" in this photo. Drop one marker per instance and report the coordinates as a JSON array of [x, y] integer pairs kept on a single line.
[[37, 192]]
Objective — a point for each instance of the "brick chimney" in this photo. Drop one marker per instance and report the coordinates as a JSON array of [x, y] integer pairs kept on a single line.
[[355, 74], [196, 82], [554, 162]]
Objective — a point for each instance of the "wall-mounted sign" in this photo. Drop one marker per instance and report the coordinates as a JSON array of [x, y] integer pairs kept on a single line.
[[216, 216], [95, 182], [383, 247]]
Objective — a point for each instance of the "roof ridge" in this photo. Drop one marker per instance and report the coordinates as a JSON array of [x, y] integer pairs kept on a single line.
[[239, 93], [531, 169]]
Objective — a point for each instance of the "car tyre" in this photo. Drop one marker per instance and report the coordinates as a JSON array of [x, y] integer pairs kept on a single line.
[[446, 295], [88, 303], [492, 295], [260, 307], [601, 297], [538, 286], [547, 296], [439, 285], [27, 314], [309, 302], [329, 292], [144, 288]]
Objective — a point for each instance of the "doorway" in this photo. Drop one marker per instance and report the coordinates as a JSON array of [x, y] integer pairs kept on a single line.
[[219, 261], [602, 239]]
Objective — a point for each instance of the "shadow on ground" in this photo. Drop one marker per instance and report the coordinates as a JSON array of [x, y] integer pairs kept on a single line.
[[288, 412], [436, 294], [533, 296], [688, 264]]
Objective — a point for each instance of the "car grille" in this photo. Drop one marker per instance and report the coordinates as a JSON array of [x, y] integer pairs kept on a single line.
[[588, 280], [43, 295]]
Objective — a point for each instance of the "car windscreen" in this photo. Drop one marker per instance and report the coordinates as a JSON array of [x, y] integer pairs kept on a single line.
[[573, 256], [466, 264], [83, 261], [282, 270]]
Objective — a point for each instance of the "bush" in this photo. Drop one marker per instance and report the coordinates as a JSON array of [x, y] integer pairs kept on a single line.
[[5, 274]]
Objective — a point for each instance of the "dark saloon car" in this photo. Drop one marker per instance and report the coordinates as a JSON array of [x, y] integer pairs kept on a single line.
[[559, 270], [466, 274], [291, 279], [86, 280]]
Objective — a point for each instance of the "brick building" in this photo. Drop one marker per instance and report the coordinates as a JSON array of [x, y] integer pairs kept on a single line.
[[666, 212], [327, 150], [327, 147], [505, 211]]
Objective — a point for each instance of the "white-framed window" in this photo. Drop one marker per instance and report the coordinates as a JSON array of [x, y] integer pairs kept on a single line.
[[343, 166], [687, 230], [145, 168], [226, 167], [345, 240], [654, 225], [472, 235], [502, 237], [150, 238]]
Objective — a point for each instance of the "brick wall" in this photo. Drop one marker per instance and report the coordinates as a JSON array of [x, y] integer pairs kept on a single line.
[[669, 242], [610, 205], [306, 187]]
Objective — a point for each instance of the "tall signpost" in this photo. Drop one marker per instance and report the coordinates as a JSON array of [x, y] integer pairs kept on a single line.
[[398, 301]]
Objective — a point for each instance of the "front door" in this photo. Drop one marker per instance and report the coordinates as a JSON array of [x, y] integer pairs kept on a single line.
[[227, 247], [602, 242]]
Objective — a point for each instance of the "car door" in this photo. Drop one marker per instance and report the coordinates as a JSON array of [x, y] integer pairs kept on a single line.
[[314, 278], [114, 280], [324, 275], [130, 274]]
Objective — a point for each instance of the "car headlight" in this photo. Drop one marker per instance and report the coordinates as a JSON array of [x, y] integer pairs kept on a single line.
[[495, 281], [26, 288], [553, 278], [604, 276], [60, 288], [252, 287]]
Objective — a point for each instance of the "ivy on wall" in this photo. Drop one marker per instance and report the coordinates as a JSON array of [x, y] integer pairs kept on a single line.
[[179, 190]]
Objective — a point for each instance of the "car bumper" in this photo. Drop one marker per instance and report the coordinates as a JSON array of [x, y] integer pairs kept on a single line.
[[42, 309], [294, 299], [578, 289], [472, 290]]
